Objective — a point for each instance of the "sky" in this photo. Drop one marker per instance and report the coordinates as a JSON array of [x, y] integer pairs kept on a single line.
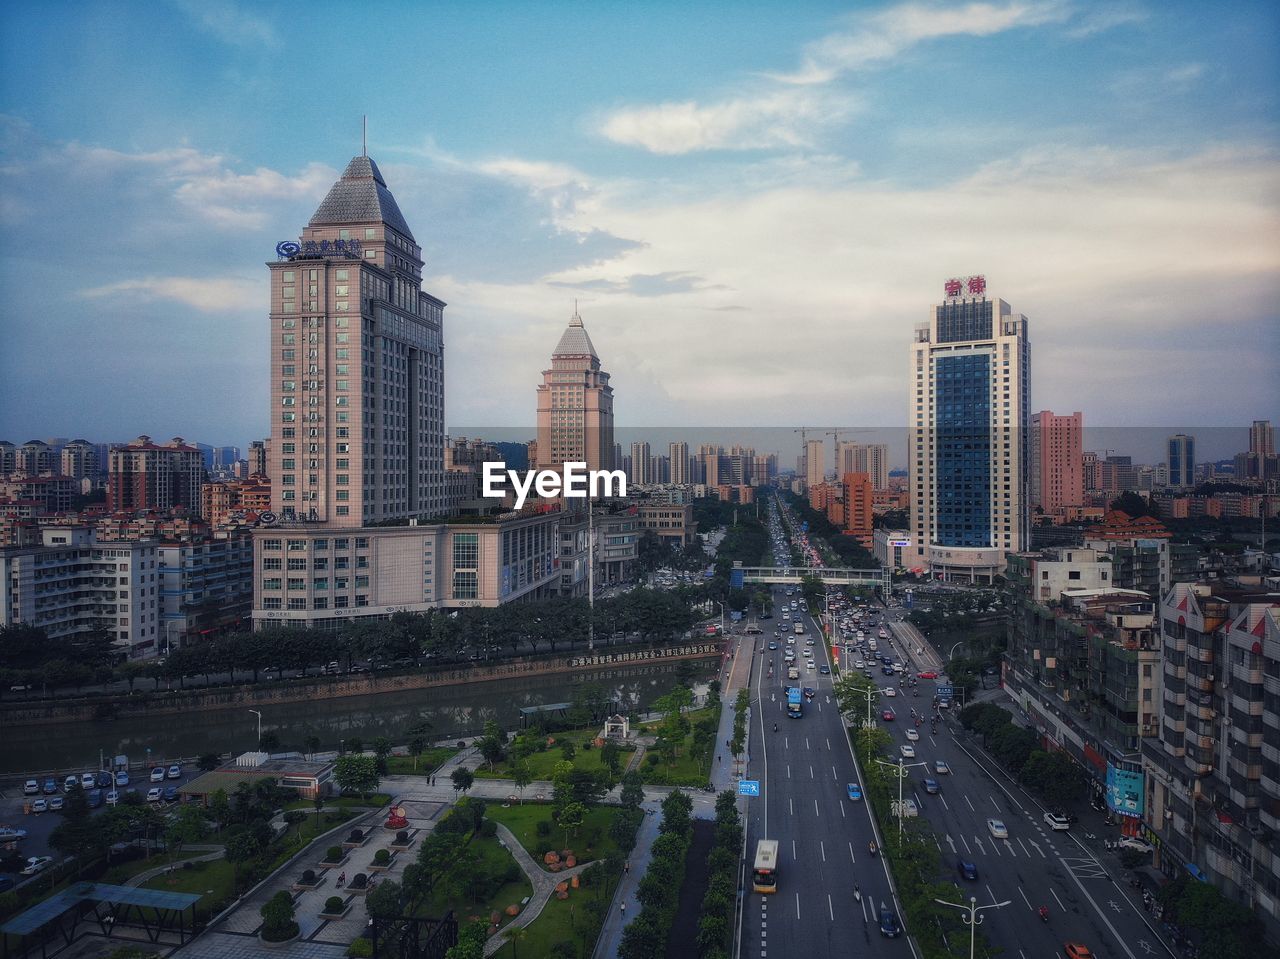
[[753, 204]]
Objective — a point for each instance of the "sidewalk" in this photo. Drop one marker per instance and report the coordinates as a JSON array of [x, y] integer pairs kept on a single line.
[[615, 920], [544, 884]]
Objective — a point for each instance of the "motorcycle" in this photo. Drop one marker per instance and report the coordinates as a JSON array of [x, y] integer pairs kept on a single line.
[[1044, 913], [873, 849], [775, 727], [857, 894]]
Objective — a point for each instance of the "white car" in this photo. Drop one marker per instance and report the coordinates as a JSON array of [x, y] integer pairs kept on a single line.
[[908, 751], [157, 774], [913, 735], [35, 864], [1133, 842], [889, 691], [31, 788], [859, 664], [88, 781], [39, 805], [71, 782], [155, 794], [113, 797], [997, 829], [1056, 822]]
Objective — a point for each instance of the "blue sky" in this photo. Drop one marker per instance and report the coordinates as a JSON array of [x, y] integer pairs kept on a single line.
[[755, 202]]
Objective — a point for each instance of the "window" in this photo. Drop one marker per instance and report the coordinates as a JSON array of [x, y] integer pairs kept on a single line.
[[271, 544], [296, 545], [297, 564], [272, 583], [297, 582], [271, 562], [300, 603], [465, 583], [271, 602]]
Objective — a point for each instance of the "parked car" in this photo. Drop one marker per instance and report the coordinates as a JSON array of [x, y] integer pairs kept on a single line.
[[50, 786], [122, 778], [113, 797], [39, 806], [31, 787], [157, 774], [35, 864], [175, 771], [155, 794], [56, 803], [103, 779], [95, 798], [88, 781], [71, 782], [1133, 842], [170, 793]]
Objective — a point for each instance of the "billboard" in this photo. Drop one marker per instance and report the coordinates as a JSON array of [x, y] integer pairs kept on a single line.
[[1124, 791]]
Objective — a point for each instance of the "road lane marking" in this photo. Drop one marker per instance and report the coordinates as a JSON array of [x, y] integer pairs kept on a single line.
[[797, 905], [793, 850], [1024, 897], [1101, 915], [991, 894], [843, 814], [791, 808], [971, 809], [994, 803], [852, 857], [1053, 893], [831, 909], [806, 742], [1008, 845], [944, 802], [834, 774], [829, 743], [815, 809], [978, 843], [822, 848], [811, 776], [1024, 846], [788, 770]]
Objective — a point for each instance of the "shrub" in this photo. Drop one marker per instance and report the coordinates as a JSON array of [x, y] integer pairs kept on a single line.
[[356, 835], [588, 746], [381, 857], [333, 905], [488, 829], [294, 816], [359, 881], [461, 744], [333, 854], [360, 949], [308, 877], [277, 916], [543, 828], [402, 837]]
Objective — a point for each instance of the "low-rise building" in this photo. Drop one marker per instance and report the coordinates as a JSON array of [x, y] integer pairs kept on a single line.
[[672, 524], [308, 778]]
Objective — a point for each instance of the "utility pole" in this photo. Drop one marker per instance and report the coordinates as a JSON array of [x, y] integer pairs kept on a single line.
[[900, 770], [259, 715]]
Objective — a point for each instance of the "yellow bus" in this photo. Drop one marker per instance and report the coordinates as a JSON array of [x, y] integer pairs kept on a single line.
[[764, 878]]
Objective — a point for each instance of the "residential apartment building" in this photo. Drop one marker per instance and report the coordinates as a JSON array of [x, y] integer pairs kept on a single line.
[[642, 471], [71, 585], [857, 507], [869, 458], [814, 459], [968, 454], [206, 585], [143, 475], [1057, 461], [1213, 777], [235, 500]]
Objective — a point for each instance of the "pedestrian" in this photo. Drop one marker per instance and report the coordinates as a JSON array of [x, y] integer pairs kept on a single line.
[[718, 758], [623, 908], [626, 866]]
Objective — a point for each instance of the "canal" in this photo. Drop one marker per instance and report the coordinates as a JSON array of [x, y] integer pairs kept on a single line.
[[451, 710]]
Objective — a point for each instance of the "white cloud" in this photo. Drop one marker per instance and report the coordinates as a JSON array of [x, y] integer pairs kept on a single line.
[[883, 36], [1106, 18], [206, 294], [780, 118], [229, 22]]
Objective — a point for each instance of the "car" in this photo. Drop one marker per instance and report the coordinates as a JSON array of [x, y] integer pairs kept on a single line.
[[71, 782], [40, 805], [1056, 822], [809, 641], [940, 767], [103, 779], [88, 780], [967, 870], [889, 925], [944, 704], [809, 665], [170, 793], [913, 735], [868, 674], [56, 803], [824, 669], [773, 645], [30, 788], [155, 794], [94, 797], [931, 786], [35, 864], [113, 797], [887, 670], [175, 771], [997, 829], [1136, 844], [887, 715], [907, 750], [50, 786], [854, 791], [122, 778], [157, 774], [890, 691], [1076, 950], [909, 808]]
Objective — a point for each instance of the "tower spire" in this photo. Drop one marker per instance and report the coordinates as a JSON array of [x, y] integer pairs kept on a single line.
[[364, 135]]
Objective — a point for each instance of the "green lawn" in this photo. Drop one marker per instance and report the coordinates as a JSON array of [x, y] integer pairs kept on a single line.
[[494, 857], [210, 880], [117, 875], [592, 841], [430, 760], [572, 920], [308, 829], [691, 768], [542, 764], [375, 801]]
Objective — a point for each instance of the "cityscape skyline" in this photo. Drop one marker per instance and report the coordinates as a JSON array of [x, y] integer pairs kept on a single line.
[[617, 203]]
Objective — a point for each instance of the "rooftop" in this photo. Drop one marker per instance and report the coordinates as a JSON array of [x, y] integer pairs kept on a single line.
[[575, 341], [361, 196]]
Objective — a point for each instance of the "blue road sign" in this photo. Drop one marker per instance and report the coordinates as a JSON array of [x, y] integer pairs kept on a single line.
[[748, 787], [946, 692]]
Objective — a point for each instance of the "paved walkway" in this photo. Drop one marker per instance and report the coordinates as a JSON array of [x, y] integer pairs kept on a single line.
[[615, 920], [544, 884], [212, 853]]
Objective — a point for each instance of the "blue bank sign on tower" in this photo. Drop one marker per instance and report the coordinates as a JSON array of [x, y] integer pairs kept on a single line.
[[748, 787]]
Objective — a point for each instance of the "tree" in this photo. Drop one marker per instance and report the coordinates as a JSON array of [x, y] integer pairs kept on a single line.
[[277, 918], [521, 775], [381, 750], [384, 900], [311, 744], [463, 779], [187, 825], [209, 762], [318, 802], [471, 940], [269, 742], [357, 773], [491, 749], [240, 848], [78, 834], [611, 757], [632, 790], [571, 819]]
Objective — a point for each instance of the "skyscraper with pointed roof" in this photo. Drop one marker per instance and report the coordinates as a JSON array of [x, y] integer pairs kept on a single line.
[[357, 364], [575, 405]]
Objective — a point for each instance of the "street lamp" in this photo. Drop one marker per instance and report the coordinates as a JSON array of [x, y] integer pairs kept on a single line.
[[973, 919], [900, 770], [953, 651], [721, 605], [259, 715], [868, 692]]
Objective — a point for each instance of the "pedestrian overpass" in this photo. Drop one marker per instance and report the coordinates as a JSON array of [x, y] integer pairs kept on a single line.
[[880, 578]]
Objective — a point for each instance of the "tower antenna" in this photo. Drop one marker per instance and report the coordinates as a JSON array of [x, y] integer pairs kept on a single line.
[[364, 135]]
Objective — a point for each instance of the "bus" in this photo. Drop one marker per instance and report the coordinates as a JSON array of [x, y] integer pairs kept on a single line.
[[764, 877], [794, 708]]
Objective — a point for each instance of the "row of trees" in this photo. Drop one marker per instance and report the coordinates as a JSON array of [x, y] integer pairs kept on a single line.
[[1050, 773], [29, 658], [645, 937], [851, 552], [715, 918]]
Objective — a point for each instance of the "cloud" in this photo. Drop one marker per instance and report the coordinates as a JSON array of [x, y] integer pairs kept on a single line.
[[206, 294], [1107, 18], [229, 22], [779, 118], [880, 37], [642, 284]]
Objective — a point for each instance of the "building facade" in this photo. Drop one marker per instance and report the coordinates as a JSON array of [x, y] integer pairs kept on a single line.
[[1057, 461], [970, 372], [575, 405], [357, 365], [143, 475], [206, 586], [678, 454], [1181, 461]]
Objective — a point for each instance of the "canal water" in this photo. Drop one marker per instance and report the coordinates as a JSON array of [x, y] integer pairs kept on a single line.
[[451, 710]]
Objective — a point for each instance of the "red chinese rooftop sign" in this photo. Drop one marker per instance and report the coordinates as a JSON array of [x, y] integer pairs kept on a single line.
[[972, 285]]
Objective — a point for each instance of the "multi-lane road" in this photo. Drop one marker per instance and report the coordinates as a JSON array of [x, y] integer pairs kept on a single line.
[[804, 768]]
